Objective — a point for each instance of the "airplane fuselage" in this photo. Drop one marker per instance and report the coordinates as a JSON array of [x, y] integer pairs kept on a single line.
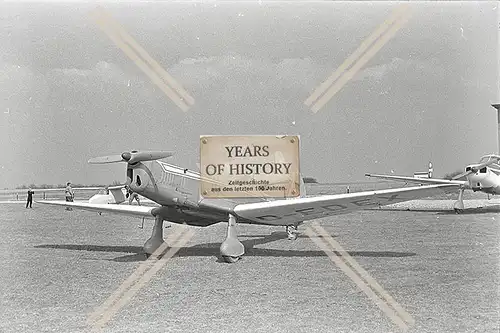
[[177, 190], [484, 180]]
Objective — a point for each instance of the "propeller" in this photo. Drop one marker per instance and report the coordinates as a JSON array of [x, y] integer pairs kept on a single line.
[[131, 157]]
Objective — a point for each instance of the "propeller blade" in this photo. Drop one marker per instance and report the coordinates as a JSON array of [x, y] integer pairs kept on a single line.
[[106, 159], [147, 156], [132, 157]]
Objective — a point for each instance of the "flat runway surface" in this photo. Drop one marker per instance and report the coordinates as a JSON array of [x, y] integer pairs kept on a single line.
[[58, 266]]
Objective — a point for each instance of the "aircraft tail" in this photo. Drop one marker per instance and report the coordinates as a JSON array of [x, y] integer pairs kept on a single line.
[[302, 187], [117, 193]]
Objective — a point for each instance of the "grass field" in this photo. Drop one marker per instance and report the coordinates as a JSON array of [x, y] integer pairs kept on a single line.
[[443, 268]]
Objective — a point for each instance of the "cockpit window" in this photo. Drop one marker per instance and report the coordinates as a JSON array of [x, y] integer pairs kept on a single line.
[[483, 170], [467, 169], [138, 181]]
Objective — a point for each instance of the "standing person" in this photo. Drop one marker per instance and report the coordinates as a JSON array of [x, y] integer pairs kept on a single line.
[[29, 201], [132, 195], [70, 194]]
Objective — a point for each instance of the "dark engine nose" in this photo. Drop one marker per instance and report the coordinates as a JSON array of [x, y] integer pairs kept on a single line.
[[139, 179]]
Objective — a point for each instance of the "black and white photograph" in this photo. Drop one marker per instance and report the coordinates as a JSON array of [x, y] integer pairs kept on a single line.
[[250, 166]]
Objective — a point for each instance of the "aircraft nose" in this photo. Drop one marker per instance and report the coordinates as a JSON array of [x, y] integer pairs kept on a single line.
[[140, 179]]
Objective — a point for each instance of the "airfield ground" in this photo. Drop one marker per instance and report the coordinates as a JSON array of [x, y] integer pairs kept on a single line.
[[58, 266]]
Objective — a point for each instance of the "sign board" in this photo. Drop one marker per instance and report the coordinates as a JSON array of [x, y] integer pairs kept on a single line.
[[249, 166]]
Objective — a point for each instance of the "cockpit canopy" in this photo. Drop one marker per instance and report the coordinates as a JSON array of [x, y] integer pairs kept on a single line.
[[482, 170], [492, 160]]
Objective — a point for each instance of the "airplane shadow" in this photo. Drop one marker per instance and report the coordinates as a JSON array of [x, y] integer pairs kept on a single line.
[[212, 249]]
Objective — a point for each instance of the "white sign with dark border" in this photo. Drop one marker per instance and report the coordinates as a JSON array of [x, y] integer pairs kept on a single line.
[[249, 166]]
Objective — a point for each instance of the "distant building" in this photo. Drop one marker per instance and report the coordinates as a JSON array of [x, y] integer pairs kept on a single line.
[[497, 106]]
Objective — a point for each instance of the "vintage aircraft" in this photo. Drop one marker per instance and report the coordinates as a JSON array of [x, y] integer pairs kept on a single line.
[[483, 177], [176, 191]]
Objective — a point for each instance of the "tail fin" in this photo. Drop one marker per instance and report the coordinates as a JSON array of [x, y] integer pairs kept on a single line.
[[302, 187], [117, 193], [115, 196]]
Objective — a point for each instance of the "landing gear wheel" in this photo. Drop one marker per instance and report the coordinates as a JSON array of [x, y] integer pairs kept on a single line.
[[231, 260], [156, 239], [231, 249], [292, 232], [458, 206]]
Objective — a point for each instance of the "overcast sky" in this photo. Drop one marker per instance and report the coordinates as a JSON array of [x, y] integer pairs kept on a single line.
[[69, 93]]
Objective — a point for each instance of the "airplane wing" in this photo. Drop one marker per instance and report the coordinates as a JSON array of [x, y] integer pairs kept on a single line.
[[128, 210], [286, 212], [61, 189], [289, 211], [407, 179]]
